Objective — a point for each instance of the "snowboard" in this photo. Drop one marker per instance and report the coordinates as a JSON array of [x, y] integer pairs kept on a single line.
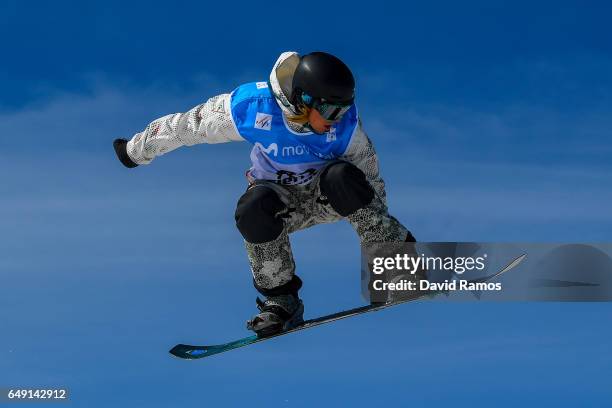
[[190, 352]]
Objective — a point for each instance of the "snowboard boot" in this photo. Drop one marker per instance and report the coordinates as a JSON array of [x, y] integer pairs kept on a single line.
[[277, 314]]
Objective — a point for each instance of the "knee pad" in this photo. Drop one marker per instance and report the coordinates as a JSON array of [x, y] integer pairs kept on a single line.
[[346, 188], [256, 215]]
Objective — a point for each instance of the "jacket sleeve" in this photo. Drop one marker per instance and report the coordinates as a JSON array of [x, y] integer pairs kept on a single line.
[[360, 152], [209, 122]]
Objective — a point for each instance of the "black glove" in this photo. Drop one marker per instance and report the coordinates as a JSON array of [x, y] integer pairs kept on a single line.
[[120, 146]]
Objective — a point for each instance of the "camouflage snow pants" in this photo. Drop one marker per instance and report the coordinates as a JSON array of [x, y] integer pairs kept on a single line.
[[268, 212]]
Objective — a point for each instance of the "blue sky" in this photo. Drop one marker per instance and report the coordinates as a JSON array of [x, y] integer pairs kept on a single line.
[[492, 121]]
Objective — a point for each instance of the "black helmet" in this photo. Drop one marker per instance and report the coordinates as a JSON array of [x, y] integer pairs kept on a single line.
[[323, 77]]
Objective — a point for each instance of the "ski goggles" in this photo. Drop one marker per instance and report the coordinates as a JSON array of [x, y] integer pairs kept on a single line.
[[331, 111]]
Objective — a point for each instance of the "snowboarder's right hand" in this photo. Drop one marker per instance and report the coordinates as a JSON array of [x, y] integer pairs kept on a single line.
[[120, 146]]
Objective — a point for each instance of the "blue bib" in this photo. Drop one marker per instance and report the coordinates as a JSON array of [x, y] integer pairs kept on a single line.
[[280, 154]]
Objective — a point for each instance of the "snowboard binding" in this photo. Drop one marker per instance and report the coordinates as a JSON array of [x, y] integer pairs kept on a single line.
[[277, 314]]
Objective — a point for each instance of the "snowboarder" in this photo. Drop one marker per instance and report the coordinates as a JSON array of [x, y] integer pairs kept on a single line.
[[312, 163]]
